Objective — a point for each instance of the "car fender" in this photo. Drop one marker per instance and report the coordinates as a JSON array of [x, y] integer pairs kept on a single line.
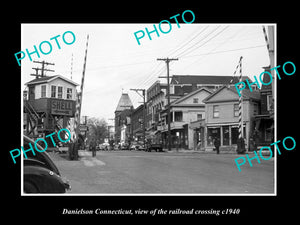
[[45, 180]]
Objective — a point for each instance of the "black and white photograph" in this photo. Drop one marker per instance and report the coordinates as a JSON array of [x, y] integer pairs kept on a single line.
[[149, 113], [145, 109]]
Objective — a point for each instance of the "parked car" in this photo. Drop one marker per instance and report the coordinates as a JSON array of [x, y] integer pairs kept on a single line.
[[124, 146], [153, 146], [40, 173]]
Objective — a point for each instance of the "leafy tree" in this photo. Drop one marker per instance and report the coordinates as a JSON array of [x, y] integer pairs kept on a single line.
[[97, 129]]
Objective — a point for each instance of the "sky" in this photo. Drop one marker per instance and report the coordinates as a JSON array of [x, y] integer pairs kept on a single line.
[[116, 63]]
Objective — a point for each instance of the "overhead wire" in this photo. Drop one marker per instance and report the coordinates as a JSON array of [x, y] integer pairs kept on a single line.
[[189, 50]]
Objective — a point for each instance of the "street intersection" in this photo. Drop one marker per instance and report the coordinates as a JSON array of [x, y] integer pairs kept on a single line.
[[139, 172]]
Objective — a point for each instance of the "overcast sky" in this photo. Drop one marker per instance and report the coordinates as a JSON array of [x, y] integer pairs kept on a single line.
[[115, 61]]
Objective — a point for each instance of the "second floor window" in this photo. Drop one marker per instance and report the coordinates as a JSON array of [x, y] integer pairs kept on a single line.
[[216, 111], [236, 110], [178, 116], [53, 91], [69, 93], [43, 91], [59, 92]]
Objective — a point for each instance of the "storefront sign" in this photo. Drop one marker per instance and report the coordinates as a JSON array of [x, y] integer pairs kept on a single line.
[[62, 107]]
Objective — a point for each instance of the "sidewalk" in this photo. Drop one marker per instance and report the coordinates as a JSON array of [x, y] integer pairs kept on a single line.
[[181, 150]]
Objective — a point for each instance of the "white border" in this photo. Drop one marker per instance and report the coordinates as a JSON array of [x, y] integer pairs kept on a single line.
[[171, 194]]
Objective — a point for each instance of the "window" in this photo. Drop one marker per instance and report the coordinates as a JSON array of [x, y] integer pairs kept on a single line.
[[199, 116], [212, 134], [236, 110], [43, 91], [60, 92], [178, 116], [53, 91], [255, 109], [69, 93], [216, 113], [269, 102], [195, 100]]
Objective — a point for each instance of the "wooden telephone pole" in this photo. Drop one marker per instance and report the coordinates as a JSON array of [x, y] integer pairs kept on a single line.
[[143, 95], [167, 60], [43, 69]]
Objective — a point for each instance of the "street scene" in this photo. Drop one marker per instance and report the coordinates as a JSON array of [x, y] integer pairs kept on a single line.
[[139, 172], [164, 115]]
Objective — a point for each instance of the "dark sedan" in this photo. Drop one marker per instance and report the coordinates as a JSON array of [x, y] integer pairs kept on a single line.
[[40, 173]]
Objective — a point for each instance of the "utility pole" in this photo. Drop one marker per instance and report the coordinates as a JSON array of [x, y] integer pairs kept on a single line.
[[42, 69], [143, 95], [167, 60]]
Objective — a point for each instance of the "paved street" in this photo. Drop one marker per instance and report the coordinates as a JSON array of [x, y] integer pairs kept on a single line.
[[121, 172]]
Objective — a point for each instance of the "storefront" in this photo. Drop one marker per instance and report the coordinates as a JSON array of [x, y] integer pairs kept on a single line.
[[198, 134], [227, 134], [179, 138]]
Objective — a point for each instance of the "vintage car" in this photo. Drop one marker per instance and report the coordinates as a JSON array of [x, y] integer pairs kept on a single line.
[[154, 146], [40, 174]]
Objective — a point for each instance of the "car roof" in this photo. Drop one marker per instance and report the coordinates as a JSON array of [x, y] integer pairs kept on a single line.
[[40, 156]]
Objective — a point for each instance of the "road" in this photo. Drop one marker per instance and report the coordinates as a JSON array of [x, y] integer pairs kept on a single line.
[[139, 172]]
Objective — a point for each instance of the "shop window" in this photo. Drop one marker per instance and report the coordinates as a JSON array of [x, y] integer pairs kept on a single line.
[[225, 135], [212, 134], [234, 135]]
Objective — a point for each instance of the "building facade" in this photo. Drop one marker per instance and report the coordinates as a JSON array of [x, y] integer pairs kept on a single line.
[[137, 123], [264, 122], [122, 119], [49, 105], [183, 112], [222, 117], [155, 103]]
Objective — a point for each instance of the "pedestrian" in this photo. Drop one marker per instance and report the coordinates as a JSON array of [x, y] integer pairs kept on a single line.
[[93, 147], [217, 144], [241, 148]]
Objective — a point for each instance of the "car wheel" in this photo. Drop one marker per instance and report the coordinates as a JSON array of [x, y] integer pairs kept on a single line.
[[30, 188]]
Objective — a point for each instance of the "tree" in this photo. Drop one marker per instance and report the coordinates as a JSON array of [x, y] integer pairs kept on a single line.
[[97, 129]]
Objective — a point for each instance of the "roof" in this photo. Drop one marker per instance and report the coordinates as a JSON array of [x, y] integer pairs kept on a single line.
[[47, 79], [206, 79], [189, 95], [124, 102], [246, 93]]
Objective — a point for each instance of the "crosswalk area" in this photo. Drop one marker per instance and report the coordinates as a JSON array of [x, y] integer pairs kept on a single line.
[[88, 160]]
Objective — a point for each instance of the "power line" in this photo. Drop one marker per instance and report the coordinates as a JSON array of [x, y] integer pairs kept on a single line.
[[203, 43], [203, 38], [187, 41]]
